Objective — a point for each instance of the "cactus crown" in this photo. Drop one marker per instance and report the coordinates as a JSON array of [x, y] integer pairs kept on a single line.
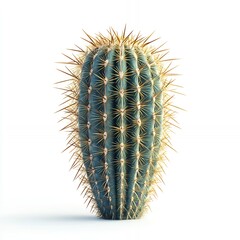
[[119, 111]]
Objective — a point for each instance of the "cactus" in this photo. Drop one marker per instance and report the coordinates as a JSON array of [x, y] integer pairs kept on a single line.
[[119, 111]]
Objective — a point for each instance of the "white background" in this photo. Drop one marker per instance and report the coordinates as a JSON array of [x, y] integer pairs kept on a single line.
[[200, 199]]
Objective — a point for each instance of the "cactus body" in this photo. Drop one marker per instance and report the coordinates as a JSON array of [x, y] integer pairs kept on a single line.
[[120, 112]]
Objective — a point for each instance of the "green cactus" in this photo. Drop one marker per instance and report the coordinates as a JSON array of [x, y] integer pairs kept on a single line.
[[120, 110]]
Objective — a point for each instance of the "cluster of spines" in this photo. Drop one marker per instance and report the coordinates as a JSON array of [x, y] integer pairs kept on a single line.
[[118, 170]]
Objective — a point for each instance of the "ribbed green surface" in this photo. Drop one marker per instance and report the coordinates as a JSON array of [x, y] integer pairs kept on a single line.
[[119, 122]]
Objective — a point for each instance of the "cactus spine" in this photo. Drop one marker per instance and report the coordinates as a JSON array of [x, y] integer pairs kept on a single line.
[[120, 110]]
